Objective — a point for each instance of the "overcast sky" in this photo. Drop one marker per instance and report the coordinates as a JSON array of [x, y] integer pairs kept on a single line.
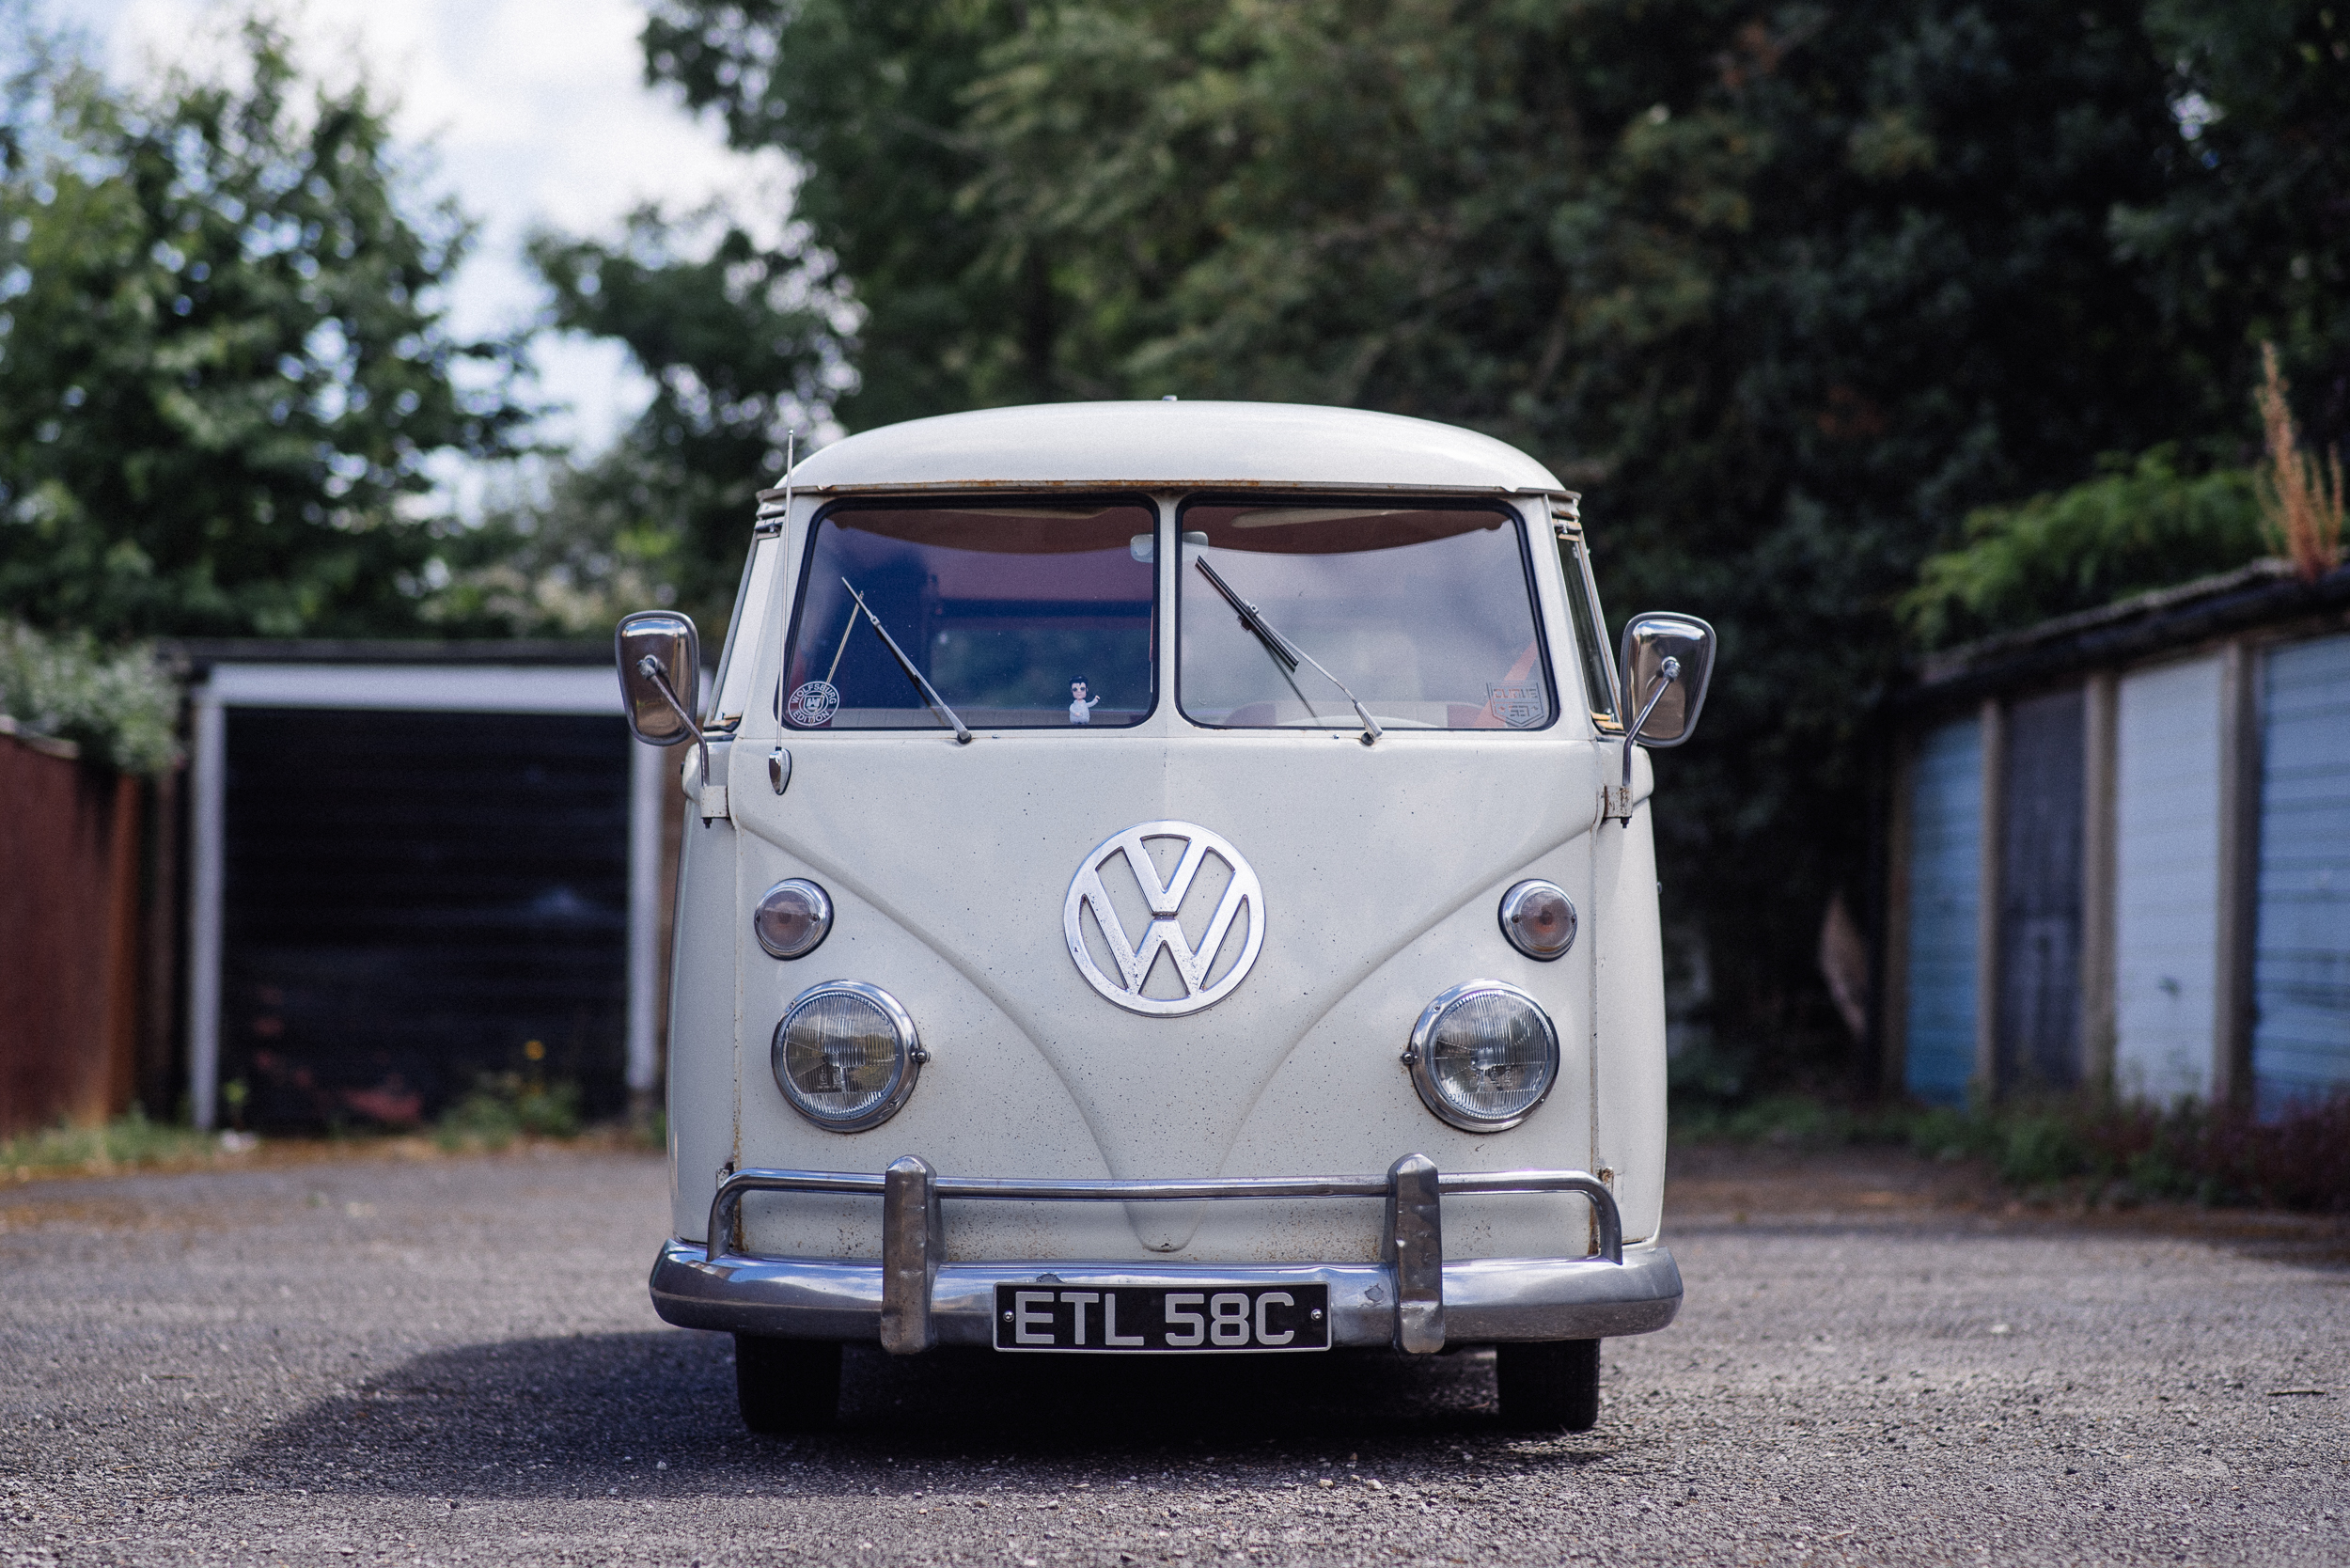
[[537, 112]]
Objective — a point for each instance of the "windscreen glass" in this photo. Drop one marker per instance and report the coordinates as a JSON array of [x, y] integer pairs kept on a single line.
[[1016, 613], [1423, 612]]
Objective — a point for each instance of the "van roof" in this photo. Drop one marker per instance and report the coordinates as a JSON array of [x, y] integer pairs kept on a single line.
[[1168, 444]]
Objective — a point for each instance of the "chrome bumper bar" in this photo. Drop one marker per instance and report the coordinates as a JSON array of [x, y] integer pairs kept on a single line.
[[1411, 1299]]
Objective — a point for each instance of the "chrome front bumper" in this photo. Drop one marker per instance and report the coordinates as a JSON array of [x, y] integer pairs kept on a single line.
[[1413, 1299]]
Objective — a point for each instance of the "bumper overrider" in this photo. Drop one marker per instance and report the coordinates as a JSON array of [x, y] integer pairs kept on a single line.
[[1413, 1299]]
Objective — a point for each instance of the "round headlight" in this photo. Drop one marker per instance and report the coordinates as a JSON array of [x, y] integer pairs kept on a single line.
[[1538, 917], [846, 1055], [792, 918], [1483, 1055]]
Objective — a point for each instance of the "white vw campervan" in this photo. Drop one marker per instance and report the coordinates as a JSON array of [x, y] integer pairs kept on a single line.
[[1167, 878]]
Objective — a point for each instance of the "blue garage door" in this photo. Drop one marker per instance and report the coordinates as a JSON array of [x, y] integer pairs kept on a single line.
[[2166, 881], [2039, 894], [1945, 878], [2301, 979]]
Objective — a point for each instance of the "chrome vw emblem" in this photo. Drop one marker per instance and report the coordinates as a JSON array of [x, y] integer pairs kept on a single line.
[[1192, 966]]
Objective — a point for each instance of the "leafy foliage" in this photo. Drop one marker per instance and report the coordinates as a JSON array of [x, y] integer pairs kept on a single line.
[[590, 543], [2249, 240], [742, 343], [1790, 294], [2136, 526], [129, 1142], [506, 1105], [120, 707], [2110, 1152], [223, 365], [870, 99]]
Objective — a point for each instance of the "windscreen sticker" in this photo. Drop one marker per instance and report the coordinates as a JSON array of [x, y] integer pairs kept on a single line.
[[1520, 707], [812, 706]]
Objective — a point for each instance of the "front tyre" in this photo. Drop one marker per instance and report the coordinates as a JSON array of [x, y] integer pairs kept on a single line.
[[1548, 1388], [787, 1385]]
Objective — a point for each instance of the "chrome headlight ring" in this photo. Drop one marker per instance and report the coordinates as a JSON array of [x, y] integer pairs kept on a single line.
[[846, 1055], [1483, 1055]]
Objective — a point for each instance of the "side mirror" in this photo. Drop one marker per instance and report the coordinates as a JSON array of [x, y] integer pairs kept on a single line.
[[660, 664], [1667, 663]]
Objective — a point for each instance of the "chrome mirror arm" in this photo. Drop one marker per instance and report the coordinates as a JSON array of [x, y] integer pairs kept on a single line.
[[649, 668], [1670, 670]]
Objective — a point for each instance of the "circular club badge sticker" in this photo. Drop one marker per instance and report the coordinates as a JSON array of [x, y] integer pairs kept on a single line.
[[812, 706]]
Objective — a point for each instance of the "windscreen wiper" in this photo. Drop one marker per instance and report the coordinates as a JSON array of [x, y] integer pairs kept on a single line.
[[1285, 651], [930, 693]]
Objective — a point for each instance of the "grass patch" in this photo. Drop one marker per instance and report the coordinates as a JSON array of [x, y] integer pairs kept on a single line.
[[128, 1143], [2098, 1150], [504, 1106], [502, 1110], [1793, 1121]]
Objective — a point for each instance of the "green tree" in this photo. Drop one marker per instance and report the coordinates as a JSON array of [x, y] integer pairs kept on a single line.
[[2249, 240], [566, 550], [870, 99], [742, 343], [1787, 292], [1791, 292], [223, 359]]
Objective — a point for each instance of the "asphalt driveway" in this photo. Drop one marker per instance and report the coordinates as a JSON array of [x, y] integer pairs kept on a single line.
[[452, 1360]]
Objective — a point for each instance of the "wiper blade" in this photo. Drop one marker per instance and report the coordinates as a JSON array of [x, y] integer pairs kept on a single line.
[[930, 693], [1275, 643], [1285, 651]]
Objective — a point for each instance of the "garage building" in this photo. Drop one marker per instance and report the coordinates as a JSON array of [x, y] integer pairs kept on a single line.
[[2121, 852], [411, 866]]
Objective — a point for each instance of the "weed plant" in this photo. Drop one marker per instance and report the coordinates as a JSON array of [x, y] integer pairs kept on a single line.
[[2115, 1152], [2300, 510], [501, 1108], [128, 1141], [504, 1106]]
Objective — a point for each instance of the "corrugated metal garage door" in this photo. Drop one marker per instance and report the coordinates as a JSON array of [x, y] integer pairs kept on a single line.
[[1945, 877], [2165, 879], [412, 899], [2040, 893], [2301, 977]]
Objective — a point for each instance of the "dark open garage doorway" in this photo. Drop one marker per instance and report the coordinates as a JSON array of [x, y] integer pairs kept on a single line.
[[417, 874], [416, 900]]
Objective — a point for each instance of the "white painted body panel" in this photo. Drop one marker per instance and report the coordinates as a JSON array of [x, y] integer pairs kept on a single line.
[[1382, 868], [1152, 446]]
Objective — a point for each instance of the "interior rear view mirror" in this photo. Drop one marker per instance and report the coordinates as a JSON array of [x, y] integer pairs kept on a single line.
[[1666, 661]]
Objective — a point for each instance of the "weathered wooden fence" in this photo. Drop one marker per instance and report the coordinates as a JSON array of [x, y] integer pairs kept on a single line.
[[69, 917]]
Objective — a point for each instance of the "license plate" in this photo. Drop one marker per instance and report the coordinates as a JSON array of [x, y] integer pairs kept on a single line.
[[1154, 1319]]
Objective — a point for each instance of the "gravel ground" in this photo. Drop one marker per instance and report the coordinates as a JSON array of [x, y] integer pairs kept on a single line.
[[447, 1360]]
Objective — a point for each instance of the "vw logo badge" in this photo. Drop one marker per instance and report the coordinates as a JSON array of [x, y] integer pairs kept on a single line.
[[1135, 956]]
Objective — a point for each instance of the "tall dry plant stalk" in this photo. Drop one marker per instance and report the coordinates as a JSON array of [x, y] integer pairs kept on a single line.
[[2300, 512]]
